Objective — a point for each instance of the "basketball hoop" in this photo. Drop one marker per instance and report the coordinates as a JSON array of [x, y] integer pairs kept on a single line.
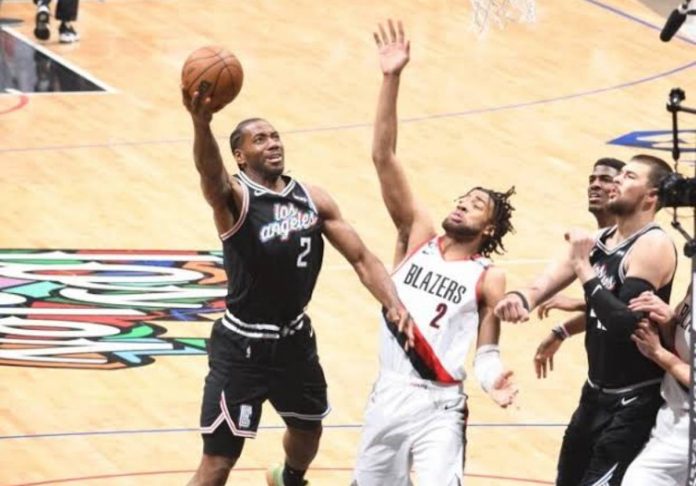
[[501, 12]]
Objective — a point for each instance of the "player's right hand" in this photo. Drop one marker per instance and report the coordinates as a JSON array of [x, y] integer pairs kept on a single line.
[[560, 302], [511, 309], [543, 358], [504, 391], [198, 106]]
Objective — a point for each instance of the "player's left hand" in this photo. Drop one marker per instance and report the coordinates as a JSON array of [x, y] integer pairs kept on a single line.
[[503, 391]]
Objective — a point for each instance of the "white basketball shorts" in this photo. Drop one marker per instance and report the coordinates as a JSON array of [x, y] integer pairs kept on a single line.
[[664, 459], [412, 423]]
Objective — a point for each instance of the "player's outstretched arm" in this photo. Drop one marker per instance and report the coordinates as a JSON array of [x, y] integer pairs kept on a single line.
[[516, 305], [218, 189], [411, 220], [488, 367], [369, 268]]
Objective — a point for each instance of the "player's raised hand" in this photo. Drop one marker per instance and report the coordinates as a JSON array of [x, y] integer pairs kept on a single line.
[[198, 106], [503, 391], [393, 47], [512, 308]]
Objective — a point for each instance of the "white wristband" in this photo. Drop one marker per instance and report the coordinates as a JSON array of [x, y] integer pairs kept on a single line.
[[487, 365]]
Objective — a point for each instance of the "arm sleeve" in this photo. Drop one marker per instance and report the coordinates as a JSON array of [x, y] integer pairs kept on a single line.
[[613, 312]]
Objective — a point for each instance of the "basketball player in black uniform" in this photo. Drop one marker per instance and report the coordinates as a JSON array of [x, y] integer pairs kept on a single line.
[[621, 397], [601, 185], [272, 229]]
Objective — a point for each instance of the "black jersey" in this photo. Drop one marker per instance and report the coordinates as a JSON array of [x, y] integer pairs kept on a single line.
[[616, 362], [273, 254]]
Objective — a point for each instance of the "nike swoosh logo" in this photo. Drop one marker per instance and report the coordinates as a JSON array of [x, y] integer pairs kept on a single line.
[[625, 401]]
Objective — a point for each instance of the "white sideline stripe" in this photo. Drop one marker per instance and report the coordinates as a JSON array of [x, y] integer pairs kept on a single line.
[[60, 60]]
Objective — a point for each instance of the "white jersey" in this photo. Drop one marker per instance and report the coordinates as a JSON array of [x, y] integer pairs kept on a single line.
[[442, 298], [673, 392]]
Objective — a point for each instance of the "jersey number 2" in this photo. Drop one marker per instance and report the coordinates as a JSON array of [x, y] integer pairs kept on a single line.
[[306, 244], [441, 309]]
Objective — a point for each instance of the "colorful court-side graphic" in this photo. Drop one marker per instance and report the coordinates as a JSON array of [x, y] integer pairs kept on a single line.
[[657, 140], [104, 309]]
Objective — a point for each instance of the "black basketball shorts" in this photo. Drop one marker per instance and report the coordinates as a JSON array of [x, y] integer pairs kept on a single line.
[[244, 372]]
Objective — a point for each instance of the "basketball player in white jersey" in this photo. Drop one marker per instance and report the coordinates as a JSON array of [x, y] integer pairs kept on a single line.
[[664, 459], [416, 413]]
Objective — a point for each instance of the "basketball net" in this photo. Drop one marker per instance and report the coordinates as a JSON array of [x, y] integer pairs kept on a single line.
[[501, 12]]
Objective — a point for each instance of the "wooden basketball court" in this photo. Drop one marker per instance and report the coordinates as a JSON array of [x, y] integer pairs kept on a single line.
[[531, 106]]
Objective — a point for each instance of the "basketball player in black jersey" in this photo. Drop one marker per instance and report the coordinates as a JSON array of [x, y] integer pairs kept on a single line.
[[621, 397], [600, 186], [272, 229]]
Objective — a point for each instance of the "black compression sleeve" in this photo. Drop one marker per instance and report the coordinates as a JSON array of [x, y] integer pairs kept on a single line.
[[613, 312]]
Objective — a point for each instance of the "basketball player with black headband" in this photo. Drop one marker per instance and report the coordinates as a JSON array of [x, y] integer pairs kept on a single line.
[[621, 396], [416, 414], [272, 228]]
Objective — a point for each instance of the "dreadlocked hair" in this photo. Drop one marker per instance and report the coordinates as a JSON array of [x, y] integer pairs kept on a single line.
[[501, 220]]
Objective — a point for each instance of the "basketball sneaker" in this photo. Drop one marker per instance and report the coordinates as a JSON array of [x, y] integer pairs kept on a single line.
[[43, 16], [274, 476], [67, 34]]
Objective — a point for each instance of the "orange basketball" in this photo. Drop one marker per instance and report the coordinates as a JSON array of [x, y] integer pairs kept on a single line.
[[214, 72]]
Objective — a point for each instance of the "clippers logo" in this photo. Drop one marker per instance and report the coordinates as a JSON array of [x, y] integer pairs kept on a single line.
[[656, 140], [288, 219], [608, 281], [104, 309]]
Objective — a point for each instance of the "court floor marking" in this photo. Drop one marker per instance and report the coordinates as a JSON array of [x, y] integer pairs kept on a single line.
[[254, 469]]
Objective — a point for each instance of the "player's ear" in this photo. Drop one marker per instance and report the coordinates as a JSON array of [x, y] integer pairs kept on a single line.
[[239, 157]]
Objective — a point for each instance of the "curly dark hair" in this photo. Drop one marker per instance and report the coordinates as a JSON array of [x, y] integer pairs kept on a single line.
[[500, 218]]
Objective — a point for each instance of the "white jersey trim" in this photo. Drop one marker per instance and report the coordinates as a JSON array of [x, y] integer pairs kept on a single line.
[[242, 214], [263, 190]]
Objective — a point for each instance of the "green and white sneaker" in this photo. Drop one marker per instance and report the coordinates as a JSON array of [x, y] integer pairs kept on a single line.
[[274, 476]]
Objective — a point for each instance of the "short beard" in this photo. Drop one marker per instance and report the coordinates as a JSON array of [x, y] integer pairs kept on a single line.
[[619, 208], [460, 233]]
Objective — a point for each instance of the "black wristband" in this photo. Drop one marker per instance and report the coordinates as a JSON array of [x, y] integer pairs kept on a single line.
[[525, 302]]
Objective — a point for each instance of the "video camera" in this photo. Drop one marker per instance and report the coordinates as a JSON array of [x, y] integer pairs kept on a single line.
[[677, 191]]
